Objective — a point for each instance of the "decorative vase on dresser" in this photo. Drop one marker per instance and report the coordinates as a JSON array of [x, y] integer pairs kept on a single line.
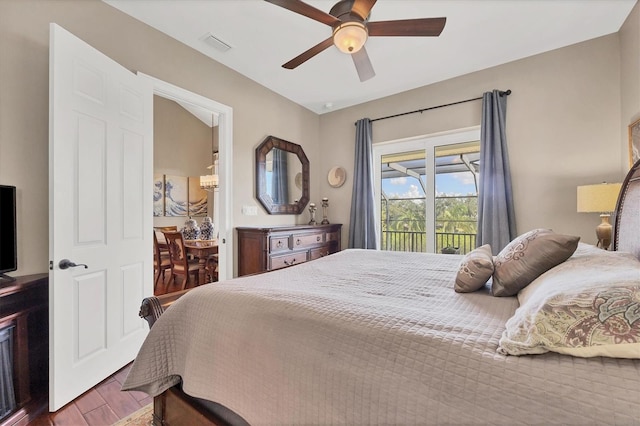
[[262, 249]]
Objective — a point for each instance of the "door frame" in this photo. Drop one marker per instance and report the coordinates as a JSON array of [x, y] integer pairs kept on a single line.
[[428, 143], [225, 162]]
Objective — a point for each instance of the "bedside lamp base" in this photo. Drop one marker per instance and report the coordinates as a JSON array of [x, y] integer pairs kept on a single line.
[[603, 232]]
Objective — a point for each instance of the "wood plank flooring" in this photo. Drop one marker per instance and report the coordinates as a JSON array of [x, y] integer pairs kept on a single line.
[[102, 405]]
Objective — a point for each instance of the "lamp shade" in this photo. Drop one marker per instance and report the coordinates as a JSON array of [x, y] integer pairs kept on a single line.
[[349, 37], [599, 198]]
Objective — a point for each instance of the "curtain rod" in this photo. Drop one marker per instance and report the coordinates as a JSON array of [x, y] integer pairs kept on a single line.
[[502, 93]]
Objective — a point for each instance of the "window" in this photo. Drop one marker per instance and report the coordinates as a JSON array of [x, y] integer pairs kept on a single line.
[[427, 191]]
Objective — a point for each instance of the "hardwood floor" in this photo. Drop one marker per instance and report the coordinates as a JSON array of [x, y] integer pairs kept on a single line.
[[105, 403], [102, 405]]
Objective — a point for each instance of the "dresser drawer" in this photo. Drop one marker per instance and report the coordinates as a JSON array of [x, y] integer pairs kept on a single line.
[[262, 249], [277, 262], [319, 252], [307, 240], [279, 243], [333, 236]]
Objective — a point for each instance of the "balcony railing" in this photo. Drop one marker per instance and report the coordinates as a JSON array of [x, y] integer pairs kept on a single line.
[[417, 241]]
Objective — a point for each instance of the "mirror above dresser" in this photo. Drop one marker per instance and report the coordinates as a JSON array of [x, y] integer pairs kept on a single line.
[[282, 176]]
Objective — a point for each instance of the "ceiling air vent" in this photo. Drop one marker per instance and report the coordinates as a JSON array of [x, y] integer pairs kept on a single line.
[[211, 40]]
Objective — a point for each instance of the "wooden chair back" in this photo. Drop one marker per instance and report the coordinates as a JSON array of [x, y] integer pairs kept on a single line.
[[161, 263], [166, 228], [160, 230], [180, 264]]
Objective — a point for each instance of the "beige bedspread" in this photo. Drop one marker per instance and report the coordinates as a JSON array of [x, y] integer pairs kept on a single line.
[[367, 337]]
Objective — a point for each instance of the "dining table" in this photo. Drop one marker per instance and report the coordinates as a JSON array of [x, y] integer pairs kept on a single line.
[[202, 250]]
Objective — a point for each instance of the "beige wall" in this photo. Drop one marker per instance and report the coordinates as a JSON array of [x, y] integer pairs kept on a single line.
[[563, 129], [24, 83], [630, 78], [182, 146]]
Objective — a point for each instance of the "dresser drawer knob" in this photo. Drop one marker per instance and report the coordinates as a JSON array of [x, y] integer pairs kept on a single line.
[[298, 242], [318, 238], [279, 244], [290, 263]]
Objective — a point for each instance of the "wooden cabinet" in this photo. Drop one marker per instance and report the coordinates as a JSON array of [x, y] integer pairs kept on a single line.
[[262, 249], [24, 306]]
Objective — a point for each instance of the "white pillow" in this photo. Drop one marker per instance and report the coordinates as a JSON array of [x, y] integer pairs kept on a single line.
[[587, 306]]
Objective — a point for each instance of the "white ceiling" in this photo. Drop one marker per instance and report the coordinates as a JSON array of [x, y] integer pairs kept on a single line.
[[478, 34]]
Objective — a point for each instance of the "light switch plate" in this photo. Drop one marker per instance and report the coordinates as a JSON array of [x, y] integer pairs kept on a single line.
[[250, 210]]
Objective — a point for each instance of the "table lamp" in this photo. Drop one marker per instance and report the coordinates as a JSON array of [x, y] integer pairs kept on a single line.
[[600, 198]]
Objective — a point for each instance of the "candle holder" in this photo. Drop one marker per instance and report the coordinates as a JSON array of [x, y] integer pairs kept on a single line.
[[312, 212], [325, 211]]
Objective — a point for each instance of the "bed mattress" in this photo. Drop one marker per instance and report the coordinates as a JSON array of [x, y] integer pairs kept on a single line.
[[371, 337]]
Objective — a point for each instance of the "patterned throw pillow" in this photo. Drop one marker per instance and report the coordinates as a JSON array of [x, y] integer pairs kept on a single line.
[[475, 270], [527, 257], [588, 306]]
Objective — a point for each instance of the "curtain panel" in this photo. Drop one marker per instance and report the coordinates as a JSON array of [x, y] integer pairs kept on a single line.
[[363, 229], [496, 217]]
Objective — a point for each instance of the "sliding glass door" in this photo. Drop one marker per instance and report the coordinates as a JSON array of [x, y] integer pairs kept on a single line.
[[427, 190]]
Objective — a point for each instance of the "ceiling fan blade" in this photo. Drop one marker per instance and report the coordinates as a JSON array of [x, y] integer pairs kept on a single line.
[[363, 64], [407, 27], [309, 11], [305, 56], [362, 8]]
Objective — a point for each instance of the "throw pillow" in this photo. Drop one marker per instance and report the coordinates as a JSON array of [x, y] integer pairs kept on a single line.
[[527, 257], [475, 270]]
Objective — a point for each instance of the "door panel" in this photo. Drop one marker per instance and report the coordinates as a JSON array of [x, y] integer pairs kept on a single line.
[[100, 202], [89, 319], [90, 189], [132, 190]]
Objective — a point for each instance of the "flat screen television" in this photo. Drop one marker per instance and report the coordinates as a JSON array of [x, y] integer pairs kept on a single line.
[[8, 234]]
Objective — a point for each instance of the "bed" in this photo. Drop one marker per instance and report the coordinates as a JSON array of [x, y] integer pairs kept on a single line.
[[370, 337]]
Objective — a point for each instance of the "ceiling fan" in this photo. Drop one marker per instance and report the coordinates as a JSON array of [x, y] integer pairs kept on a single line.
[[349, 20]]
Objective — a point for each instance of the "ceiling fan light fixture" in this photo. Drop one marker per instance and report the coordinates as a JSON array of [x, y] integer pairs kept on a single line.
[[349, 37]]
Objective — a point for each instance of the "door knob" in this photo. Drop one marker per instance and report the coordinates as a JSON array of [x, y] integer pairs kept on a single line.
[[66, 264]]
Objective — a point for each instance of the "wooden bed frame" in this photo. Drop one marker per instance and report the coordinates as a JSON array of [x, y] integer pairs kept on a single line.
[[174, 407]]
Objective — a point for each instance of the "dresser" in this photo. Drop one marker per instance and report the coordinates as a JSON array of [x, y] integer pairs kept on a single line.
[[262, 249]]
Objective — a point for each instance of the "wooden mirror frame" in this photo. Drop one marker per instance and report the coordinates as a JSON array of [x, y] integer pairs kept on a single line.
[[265, 199]]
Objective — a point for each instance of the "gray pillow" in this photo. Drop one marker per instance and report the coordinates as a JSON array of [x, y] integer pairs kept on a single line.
[[527, 257], [475, 270]]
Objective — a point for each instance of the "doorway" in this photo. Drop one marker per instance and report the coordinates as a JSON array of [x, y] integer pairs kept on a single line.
[[100, 204], [224, 116]]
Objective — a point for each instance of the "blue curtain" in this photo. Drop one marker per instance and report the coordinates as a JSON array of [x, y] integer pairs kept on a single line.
[[496, 217], [280, 180], [363, 229]]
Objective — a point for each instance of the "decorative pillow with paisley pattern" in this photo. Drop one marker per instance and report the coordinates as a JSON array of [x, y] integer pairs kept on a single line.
[[475, 270], [588, 306], [527, 257]]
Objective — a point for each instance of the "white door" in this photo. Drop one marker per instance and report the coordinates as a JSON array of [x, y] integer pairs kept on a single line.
[[100, 204]]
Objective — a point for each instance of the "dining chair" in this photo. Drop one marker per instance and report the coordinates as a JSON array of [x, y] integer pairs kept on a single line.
[[180, 263], [212, 267], [161, 240], [161, 263]]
